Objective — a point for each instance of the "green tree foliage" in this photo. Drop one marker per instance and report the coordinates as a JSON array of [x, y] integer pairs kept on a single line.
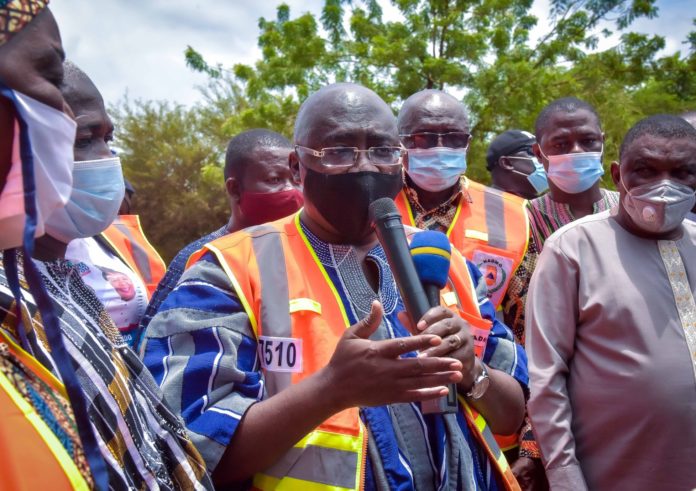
[[172, 156], [480, 50]]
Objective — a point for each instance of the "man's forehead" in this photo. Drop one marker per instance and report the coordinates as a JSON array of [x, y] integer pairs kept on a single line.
[[363, 121], [271, 153], [655, 148], [433, 109], [578, 118]]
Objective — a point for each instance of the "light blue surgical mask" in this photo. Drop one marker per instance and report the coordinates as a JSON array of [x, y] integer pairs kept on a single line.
[[98, 190], [574, 173], [537, 178], [436, 169]]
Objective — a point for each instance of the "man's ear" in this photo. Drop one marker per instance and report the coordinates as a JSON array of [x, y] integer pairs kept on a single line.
[[615, 170], [504, 163], [294, 163], [232, 187], [537, 153], [405, 161]]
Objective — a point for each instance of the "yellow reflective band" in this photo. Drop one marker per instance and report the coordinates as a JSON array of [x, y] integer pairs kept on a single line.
[[476, 234], [450, 298], [322, 269], [34, 364], [53, 444], [268, 483], [237, 287], [456, 217], [431, 250], [305, 305], [411, 219], [526, 241], [327, 439]]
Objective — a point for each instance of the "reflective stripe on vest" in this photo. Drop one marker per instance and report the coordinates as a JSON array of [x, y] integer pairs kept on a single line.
[[273, 267], [33, 457], [479, 426], [494, 235], [126, 237]]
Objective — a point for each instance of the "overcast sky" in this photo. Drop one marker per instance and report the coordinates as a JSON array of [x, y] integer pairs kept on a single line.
[[137, 46]]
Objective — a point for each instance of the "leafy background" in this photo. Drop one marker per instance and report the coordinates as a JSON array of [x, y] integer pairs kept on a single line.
[[479, 50]]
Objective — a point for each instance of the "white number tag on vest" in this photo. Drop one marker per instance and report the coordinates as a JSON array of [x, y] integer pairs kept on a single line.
[[280, 354]]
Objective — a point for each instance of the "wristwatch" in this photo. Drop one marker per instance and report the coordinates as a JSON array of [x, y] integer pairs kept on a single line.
[[480, 386]]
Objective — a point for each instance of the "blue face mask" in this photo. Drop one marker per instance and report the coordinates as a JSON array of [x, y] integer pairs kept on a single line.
[[574, 173], [97, 193], [436, 169], [537, 178]]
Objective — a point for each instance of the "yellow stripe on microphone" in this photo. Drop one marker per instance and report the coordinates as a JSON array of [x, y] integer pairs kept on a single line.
[[431, 250]]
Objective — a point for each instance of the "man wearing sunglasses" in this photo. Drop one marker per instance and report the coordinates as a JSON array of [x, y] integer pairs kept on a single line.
[[287, 350], [487, 226], [513, 166]]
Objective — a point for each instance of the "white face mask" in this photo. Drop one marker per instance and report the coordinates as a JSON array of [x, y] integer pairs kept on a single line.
[[51, 136], [659, 207], [98, 190]]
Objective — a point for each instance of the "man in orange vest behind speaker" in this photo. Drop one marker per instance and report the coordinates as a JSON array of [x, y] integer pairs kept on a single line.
[[285, 346], [488, 226]]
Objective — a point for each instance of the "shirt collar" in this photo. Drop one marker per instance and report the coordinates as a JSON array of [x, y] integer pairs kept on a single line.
[[462, 192]]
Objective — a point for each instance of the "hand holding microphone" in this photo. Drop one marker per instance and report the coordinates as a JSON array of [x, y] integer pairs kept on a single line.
[[420, 286]]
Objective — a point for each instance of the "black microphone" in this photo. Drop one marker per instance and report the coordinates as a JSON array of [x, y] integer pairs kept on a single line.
[[390, 233]]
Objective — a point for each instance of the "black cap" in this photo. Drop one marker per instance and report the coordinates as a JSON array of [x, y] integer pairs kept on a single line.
[[507, 143]]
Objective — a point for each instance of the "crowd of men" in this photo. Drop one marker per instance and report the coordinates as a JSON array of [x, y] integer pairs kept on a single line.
[[277, 352]]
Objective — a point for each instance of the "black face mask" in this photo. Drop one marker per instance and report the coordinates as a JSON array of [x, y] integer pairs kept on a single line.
[[343, 199]]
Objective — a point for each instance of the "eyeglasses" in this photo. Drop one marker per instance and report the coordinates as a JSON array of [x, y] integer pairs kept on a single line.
[[387, 158], [452, 139]]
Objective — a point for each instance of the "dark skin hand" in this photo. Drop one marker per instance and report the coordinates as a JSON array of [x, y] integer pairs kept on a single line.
[[529, 474], [503, 403], [565, 133], [350, 116], [434, 112], [650, 159], [340, 385], [30, 63]]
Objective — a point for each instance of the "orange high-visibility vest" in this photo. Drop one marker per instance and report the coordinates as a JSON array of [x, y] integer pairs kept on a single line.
[[492, 232], [128, 241], [298, 319], [32, 455]]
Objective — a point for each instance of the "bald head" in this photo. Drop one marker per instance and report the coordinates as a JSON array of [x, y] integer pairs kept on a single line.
[[432, 111], [77, 88], [690, 117], [344, 110]]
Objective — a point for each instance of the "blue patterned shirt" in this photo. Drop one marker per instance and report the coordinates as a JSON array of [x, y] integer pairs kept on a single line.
[[202, 351]]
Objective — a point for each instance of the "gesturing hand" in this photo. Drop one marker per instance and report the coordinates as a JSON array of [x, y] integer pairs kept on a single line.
[[455, 333], [371, 373]]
